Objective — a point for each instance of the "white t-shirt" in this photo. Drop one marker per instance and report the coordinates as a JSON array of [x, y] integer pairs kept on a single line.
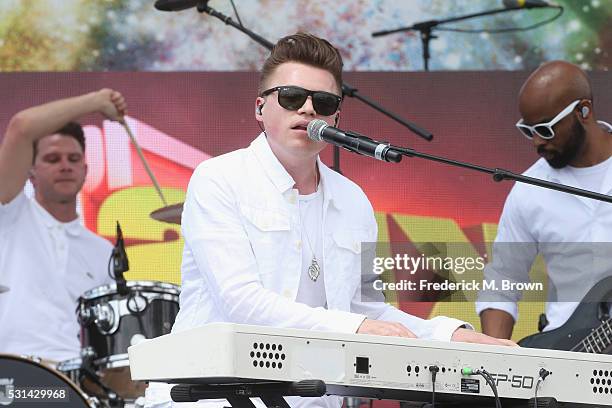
[[591, 178], [47, 264], [311, 291]]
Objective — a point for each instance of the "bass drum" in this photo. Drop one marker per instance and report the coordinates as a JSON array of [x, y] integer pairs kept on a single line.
[[25, 382]]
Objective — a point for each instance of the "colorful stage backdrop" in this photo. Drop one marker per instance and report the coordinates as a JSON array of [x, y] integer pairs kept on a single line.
[[181, 119], [131, 35]]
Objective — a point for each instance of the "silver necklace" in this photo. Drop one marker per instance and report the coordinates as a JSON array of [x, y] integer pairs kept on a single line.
[[314, 270]]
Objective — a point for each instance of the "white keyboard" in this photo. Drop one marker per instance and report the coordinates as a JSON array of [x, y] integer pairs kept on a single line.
[[372, 366]]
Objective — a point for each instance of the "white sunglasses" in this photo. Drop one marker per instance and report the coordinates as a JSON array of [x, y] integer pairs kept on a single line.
[[545, 130]]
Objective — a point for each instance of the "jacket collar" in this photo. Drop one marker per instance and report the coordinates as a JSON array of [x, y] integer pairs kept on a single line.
[[283, 181]]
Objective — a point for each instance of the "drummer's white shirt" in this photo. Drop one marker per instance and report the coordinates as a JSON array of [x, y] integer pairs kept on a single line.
[[47, 264]]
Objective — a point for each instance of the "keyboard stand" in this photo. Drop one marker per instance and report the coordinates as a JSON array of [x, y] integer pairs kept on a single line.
[[238, 394]]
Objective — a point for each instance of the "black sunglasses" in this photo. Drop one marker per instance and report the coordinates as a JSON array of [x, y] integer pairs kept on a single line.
[[294, 97]]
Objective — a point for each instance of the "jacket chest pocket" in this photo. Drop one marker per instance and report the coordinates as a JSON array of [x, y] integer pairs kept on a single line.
[[350, 251], [269, 232]]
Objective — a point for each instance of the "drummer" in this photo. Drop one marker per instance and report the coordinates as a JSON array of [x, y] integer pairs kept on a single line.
[[47, 258]]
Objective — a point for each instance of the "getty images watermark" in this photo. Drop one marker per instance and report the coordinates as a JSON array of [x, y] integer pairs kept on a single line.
[[458, 265], [501, 272]]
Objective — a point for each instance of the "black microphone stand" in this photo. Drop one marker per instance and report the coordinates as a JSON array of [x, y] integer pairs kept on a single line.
[[501, 174], [425, 29], [347, 89]]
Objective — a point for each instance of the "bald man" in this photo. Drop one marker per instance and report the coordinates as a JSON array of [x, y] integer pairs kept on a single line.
[[558, 118]]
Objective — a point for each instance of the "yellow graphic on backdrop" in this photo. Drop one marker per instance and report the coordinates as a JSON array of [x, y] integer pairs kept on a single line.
[[151, 258]]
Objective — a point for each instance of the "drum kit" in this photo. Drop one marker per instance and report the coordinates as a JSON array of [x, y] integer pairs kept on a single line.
[[111, 319]]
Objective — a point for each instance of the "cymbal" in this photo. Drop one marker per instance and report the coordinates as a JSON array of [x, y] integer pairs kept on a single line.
[[3, 289], [170, 214]]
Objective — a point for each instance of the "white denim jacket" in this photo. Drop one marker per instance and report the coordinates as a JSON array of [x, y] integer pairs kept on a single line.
[[242, 258]]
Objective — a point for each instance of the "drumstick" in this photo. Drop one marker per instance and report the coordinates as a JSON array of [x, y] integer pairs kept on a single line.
[[144, 161]]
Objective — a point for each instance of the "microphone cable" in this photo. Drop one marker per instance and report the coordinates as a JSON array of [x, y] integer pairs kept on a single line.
[[485, 374], [508, 29]]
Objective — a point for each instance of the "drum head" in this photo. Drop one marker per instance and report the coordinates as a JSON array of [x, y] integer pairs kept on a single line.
[[25, 383], [145, 286]]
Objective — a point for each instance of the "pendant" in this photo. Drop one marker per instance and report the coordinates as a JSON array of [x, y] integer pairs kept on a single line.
[[314, 270]]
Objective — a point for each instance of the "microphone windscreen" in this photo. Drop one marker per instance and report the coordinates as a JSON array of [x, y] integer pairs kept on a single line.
[[175, 5], [315, 127]]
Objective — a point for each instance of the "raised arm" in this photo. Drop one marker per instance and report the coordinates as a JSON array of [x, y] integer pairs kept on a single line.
[[29, 125]]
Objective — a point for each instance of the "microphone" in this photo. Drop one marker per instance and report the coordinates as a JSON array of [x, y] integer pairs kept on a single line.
[[177, 5], [319, 130], [120, 262], [527, 4]]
